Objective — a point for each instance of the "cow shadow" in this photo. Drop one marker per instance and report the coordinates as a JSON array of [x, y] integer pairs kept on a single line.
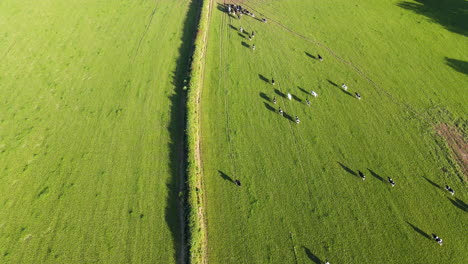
[[241, 35], [263, 78], [303, 90], [264, 96], [422, 233], [332, 83], [347, 169], [296, 98], [432, 183], [233, 27], [269, 107], [245, 44], [311, 256], [459, 203], [376, 175], [225, 176], [310, 55], [278, 92], [289, 117]]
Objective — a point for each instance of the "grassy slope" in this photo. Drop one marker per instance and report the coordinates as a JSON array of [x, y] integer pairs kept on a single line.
[[297, 202], [84, 141]]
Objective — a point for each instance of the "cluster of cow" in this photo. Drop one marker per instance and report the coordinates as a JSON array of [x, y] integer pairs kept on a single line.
[[238, 10]]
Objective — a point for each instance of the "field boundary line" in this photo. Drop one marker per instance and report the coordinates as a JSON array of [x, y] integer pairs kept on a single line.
[[195, 183]]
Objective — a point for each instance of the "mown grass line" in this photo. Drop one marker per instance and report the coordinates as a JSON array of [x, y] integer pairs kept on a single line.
[[197, 225]]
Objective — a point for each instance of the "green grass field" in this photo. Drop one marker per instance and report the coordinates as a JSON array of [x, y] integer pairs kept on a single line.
[[301, 200], [91, 129]]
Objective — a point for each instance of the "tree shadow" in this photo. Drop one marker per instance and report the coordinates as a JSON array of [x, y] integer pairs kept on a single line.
[[175, 214], [263, 78], [225, 176], [296, 98], [332, 83], [278, 92], [451, 14], [312, 256], [422, 233], [303, 90], [460, 204], [348, 170], [264, 96], [433, 183], [245, 44], [269, 107], [310, 55], [376, 175], [458, 65]]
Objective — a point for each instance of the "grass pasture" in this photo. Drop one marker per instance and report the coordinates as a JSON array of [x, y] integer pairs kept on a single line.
[[91, 130], [301, 200]]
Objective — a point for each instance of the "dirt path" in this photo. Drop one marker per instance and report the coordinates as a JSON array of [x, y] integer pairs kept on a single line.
[[198, 159], [458, 145]]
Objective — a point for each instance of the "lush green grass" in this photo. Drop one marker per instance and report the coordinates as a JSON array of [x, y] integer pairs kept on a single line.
[[299, 202], [89, 127]]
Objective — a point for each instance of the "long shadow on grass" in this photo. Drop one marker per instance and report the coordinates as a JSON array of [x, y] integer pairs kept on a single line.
[[303, 90], [376, 175], [175, 204], [458, 65], [263, 78], [225, 176], [432, 183], [459, 203], [336, 85], [245, 44], [332, 83], [310, 55], [264, 96], [289, 117], [233, 27], [269, 107], [422, 233], [312, 256], [296, 98], [451, 14], [347, 169], [278, 92]]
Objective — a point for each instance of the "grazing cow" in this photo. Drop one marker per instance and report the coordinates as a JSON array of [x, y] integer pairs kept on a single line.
[[238, 183], [272, 81], [253, 47], [344, 87], [241, 30], [250, 38], [391, 182], [449, 189], [313, 93], [289, 96], [358, 96], [274, 100], [363, 177], [308, 102], [280, 111], [437, 239], [320, 57], [297, 120], [264, 20]]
